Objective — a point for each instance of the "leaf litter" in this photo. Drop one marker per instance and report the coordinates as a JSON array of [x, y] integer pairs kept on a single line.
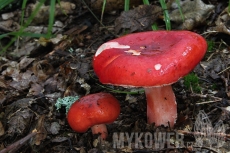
[[32, 81]]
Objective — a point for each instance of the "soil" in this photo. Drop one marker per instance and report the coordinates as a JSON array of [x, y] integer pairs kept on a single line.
[[31, 83]]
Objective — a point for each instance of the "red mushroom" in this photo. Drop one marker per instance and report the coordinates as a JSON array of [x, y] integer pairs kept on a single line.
[[153, 60], [93, 111]]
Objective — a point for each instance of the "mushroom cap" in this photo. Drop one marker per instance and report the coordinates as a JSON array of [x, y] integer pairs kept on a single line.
[[148, 59], [93, 109]]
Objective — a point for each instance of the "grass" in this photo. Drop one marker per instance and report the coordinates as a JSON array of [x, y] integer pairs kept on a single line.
[[165, 12], [20, 33], [211, 45], [228, 6], [191, 81]]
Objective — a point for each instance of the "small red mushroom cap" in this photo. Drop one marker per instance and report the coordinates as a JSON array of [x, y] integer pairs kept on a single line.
[[94, 109], [147, 59]]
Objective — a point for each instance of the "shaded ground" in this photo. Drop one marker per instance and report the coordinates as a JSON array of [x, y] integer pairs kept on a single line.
[[31, 81]]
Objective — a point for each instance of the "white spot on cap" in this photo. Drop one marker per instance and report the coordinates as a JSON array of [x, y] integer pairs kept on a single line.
[[109, 45], [188, 49], [158, 66], [134, 52]]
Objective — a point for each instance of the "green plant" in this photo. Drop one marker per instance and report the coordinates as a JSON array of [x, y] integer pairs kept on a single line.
[[210, 45], [126, 6], [228, 6], [191, 81], [180, 9], [20, 33], [103, 9], [166, 14]]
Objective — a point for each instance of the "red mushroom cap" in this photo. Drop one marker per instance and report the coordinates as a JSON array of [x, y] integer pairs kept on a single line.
[[94, 109], [146, 59]]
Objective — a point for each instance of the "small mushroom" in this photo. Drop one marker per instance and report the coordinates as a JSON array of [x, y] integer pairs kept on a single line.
[[94, 110], [152, 60]]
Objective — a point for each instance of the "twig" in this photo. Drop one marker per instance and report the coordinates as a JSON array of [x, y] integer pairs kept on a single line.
[[211, 101], [19, 143], [223, 70]]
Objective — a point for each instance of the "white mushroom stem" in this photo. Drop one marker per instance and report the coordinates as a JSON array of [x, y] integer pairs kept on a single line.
[[161, 106], [100, 129]]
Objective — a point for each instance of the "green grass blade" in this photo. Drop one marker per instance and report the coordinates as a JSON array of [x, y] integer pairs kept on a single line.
[[4, 3], [146, 2], [126, 7], [51, 18], [154, 27], [103, 10], [228, 6], [20, 32], [166, 15], [180, 9], [23, 11]]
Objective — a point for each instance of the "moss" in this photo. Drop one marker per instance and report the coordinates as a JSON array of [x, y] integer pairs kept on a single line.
[[210, 45], [192, 81]]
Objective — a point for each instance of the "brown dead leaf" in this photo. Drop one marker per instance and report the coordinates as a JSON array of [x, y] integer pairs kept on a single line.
[[42, 133], [2, 97], [3, 83], [7, 26], [12, 69], [195, 13], [138, 19], [43, 14], [42, 69], [19, 121], [25, 49], [50, 84], [112, 5], [25, 61], [222, 22], [19, 116], [35, 89], [22, 80], [2, 130]]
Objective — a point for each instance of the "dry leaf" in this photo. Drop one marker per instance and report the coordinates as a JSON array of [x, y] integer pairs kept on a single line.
[[195, 13], [2, 130], [43, 14], [25, 61], [112, 5], [35, 89], [42, 69], [222, 22], [42, 133], [19, 116], [138, 19]]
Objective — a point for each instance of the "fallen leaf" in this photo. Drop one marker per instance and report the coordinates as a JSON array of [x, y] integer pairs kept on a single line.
[[43, 14], [42, 133], [25, 61], [195, 13], [138, 19], [42, 69], [222, 22], [112, 5], [35, 89], [2, 130]]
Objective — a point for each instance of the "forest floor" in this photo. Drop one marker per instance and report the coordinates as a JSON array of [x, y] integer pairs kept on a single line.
[[34, 73]]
